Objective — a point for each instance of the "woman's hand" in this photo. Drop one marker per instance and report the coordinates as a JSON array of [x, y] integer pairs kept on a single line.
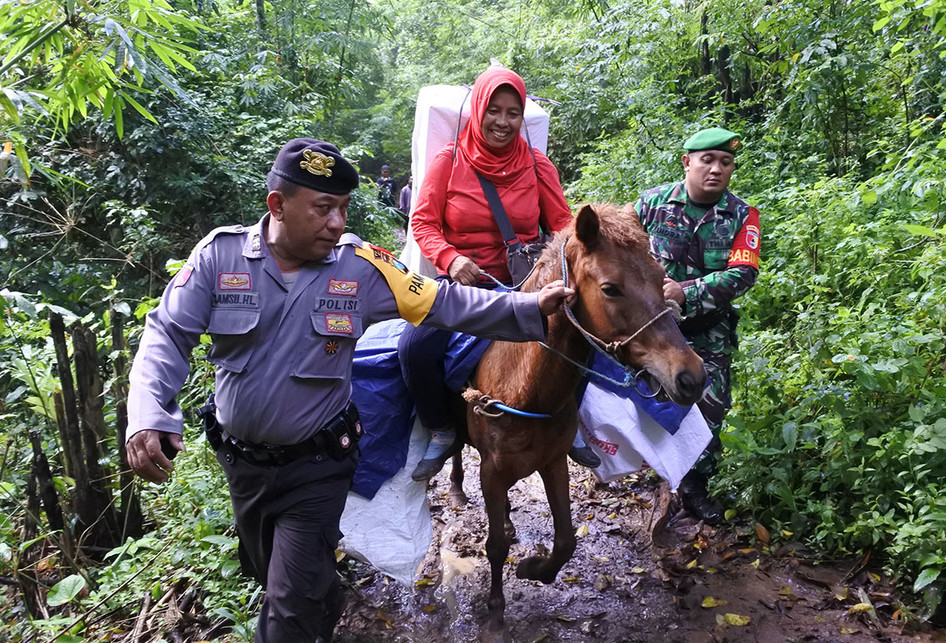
[[464, 270], [553, 297]]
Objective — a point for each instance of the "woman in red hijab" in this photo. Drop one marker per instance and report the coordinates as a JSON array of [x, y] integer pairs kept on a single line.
[[452, 222], [456, 230]]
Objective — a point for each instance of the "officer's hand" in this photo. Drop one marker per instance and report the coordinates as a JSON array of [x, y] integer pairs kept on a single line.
[[146, 457], [464, 270], [673, 291], [553, 297]]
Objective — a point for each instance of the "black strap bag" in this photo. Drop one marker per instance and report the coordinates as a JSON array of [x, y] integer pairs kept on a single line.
[[521, 257]]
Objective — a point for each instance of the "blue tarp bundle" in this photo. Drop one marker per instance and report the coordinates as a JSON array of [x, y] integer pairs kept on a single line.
[[386, 408]]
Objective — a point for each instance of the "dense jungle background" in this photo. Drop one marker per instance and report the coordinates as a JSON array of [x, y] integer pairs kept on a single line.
[[131, 128]]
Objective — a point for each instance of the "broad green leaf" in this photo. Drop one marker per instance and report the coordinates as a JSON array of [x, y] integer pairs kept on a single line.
[[920, 230], [65, 590], [926, 577]]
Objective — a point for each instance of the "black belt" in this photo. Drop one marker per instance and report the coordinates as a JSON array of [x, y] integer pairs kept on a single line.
[[336, 439]]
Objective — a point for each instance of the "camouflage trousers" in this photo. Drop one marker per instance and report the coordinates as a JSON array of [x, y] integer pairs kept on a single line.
[[715, 404]]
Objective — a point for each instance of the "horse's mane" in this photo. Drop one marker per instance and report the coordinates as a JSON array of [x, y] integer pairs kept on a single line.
[[620, 225]]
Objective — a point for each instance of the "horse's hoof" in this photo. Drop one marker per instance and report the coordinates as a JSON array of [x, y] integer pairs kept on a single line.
[[536, 568], [457, 499]]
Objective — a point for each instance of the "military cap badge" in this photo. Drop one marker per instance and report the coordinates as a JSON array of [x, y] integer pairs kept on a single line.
[[316, 163]]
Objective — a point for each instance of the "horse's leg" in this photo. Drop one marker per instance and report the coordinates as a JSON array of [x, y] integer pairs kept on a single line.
[[457, 496], [495, 496], [555, 477], [508, 527]]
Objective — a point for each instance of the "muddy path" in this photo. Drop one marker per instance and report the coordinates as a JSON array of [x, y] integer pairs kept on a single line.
[[641, 572]]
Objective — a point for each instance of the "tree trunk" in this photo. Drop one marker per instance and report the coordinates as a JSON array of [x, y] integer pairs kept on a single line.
[[261, 16], [66, 416], [43, 476], [99, 514]]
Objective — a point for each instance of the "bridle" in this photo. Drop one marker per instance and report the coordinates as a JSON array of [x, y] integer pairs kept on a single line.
[[608, 349]]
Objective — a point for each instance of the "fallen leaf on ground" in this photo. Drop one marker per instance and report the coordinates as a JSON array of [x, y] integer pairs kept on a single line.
[[735, 619], [762, 533], [860, 608], [709, 601]]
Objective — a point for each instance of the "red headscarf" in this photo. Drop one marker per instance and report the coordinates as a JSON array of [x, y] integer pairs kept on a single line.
[[503, 165]]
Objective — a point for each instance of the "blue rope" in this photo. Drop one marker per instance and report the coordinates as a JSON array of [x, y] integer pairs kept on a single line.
[[525, 414]]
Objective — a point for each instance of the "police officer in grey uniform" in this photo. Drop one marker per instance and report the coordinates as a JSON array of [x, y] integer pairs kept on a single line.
[[284, 301]]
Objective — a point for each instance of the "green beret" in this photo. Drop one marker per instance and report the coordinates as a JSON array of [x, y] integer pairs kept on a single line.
[[714, 138], [316, 165]]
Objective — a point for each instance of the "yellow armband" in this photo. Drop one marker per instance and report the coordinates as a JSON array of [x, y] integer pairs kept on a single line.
[[415, 294]]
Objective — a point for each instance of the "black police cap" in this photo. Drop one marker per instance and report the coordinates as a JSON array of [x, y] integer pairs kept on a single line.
[[316, 165]]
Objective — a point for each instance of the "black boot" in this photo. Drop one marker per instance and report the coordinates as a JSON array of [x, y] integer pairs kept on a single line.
[[697, 501], [584, 456]]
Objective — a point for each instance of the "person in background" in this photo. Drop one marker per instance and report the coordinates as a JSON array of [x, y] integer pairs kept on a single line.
[[387, 188], [456, 230], [708, 240], [284, 301], [404, 200]]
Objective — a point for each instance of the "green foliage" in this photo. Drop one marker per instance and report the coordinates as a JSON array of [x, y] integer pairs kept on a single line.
[[839, 423], [60, 59]]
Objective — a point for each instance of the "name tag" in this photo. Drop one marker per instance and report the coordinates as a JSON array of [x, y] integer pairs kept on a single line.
[[235, 300]]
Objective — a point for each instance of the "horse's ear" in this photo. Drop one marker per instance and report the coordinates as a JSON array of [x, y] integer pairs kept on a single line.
[[587, 226]]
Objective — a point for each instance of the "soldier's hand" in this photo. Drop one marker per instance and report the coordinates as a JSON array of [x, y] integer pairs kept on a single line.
[[553, 297], [146, 456], [673, 291], [464, 270]]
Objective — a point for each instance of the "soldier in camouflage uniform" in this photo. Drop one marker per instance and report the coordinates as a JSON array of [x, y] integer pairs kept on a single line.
[[708, 241]]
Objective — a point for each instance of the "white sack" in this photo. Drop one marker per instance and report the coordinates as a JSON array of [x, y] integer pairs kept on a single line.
[[436, 120], [624, 437], [392, 531]]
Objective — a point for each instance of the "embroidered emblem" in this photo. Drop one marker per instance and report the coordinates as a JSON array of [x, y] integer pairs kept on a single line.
[[734, 144], [342, 287], [234, 280], [338, 323], [331, 347], [752, 237], [317, 163], [183, 275]]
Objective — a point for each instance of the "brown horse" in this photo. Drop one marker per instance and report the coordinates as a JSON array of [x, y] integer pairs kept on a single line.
[[620, 306]]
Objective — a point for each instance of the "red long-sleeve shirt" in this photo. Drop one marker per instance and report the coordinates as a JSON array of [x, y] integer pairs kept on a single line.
[[452, 216]]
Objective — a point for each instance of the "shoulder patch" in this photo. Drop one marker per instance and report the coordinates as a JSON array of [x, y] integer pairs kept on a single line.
[[748, 243], [415, 294]]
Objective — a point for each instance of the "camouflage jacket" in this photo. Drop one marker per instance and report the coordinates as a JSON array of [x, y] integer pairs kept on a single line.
[[714, 255]]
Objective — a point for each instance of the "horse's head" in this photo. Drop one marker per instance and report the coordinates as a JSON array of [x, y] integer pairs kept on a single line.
[[620, 300]]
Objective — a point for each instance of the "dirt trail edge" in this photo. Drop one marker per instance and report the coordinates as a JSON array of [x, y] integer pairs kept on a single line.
[[641, 572]]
